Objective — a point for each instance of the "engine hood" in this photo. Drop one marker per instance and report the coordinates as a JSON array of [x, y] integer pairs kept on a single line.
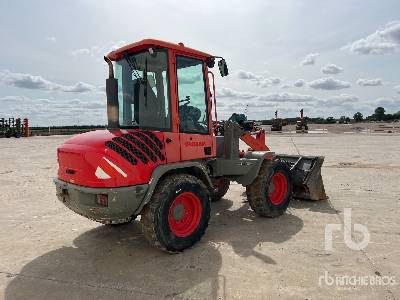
[[105, 158]]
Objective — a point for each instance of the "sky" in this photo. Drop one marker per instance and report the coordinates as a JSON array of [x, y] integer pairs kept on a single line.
[[331, 58]]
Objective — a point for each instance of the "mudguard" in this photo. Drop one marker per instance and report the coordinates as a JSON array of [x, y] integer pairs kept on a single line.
[[161, 170]]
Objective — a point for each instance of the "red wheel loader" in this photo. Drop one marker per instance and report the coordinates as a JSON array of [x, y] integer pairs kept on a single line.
[[301, 125], [160, 158], [277, 123]]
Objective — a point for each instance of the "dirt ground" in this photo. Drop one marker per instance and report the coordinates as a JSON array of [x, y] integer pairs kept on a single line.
[[48, 252]]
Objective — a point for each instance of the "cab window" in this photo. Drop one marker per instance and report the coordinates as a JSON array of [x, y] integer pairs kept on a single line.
[[143, 92], [192, 99]]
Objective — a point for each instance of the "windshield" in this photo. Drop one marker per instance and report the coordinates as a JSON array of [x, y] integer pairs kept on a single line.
[[143, 91]]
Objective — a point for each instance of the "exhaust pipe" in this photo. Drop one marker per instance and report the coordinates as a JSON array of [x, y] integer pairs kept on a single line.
[[112, 97]]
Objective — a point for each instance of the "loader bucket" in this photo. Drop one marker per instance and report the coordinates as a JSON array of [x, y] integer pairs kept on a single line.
[[306, 176]]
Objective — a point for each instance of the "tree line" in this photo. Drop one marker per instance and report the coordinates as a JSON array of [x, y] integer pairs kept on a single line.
[[378, 115]]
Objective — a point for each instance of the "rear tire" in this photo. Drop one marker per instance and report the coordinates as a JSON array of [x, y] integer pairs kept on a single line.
[[178, 213], [270, 193], [221, 186]]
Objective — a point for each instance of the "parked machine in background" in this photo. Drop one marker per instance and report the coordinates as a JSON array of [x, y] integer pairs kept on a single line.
[[277, 123], [160, 157], [301, 125], [12, 127]]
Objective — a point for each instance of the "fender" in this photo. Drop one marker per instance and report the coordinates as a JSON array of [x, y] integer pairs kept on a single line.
[[249, 177], [242, 170], [161, 170]]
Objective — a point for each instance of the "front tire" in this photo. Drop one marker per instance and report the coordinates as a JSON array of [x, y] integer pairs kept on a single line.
[[178, 213], [270, 193]]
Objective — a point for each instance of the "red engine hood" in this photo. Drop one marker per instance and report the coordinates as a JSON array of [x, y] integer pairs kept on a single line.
[[104, 158]]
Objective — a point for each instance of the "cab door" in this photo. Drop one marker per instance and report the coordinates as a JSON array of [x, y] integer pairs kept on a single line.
[[196, 137]]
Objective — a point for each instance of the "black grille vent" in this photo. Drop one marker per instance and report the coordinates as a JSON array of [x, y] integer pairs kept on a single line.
[[154, 138], [150, 143], [131, 148], [141, 146], [113, 146]]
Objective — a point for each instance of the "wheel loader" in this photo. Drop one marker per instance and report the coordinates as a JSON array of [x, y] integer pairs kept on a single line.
[[160, 157], [277, 123], [301, 125]]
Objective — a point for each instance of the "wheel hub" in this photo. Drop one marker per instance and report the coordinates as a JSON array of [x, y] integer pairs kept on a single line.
[[178, 212], [278, 188], [185, 214]]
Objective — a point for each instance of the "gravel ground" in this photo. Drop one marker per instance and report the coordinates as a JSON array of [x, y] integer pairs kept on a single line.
[[48, 252]]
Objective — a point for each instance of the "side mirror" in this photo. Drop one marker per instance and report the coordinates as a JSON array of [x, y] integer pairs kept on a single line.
[[223, 68]]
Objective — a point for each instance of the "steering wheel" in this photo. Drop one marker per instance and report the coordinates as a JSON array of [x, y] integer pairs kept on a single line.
[[187, 100]]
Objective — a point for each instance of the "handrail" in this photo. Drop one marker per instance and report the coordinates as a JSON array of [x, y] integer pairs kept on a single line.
[[215, 99]]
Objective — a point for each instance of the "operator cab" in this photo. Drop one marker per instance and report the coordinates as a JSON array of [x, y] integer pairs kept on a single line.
[[165, 87], [144, 96], [148, 74]]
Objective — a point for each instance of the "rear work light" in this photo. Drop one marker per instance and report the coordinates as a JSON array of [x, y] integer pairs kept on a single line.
[[102, 199]]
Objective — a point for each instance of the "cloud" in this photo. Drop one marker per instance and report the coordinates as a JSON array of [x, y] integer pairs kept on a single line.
[[388, 104], [369, 82], [267, 82], [272, 97], [258, 79], [343, 97], [94, 105], [310, 59], [384, 40], [328, 84], [285, 86], [248, 75], [397, 88], [14, 99], [98, 51], [331, 69], [339, 101], [81, 51], [54, 111], [34, 82], [261, 104], [117, 45], [299, 83], [286, 97], [229, 93], [51, 39]]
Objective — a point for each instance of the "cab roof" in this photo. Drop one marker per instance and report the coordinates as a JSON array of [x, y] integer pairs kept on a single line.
[[146, 43]]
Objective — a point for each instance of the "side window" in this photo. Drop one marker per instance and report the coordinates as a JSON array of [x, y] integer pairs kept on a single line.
[[191, 94], [143, 103]]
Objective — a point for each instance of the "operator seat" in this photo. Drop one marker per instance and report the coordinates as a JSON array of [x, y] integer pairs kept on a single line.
[[148, 112], [189, 117]]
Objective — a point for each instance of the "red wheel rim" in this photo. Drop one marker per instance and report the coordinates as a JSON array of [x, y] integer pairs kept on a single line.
[[278, 188], [184, 214]]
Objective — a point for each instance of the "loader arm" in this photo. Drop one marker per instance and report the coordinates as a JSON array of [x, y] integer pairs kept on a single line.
[[255, 141]]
